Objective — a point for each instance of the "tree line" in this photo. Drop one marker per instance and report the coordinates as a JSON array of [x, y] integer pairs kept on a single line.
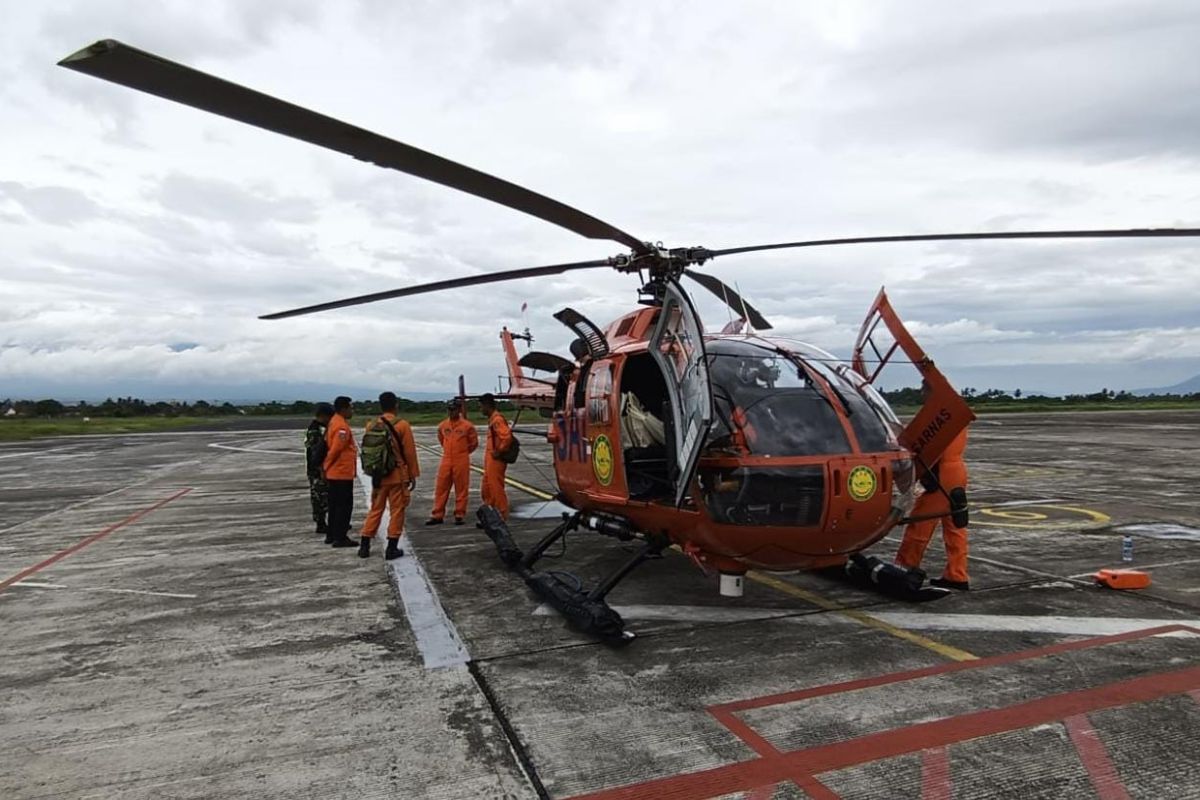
[[136, 407]]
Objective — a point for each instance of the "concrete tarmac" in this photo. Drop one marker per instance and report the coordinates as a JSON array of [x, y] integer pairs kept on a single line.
[[172, 628]]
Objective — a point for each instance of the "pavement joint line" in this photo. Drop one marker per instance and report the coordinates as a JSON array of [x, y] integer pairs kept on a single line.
[[95, 537], [944, 650]]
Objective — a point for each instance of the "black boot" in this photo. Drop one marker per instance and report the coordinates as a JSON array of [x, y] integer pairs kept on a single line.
[[329, 537], [434, 521], [343, 541], [458, 520], [364, 547], [322, 529], [393, 550]]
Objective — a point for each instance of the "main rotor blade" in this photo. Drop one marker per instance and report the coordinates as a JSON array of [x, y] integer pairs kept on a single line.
[[730, 298], [1125, 233], [452, 283], [137, 69]]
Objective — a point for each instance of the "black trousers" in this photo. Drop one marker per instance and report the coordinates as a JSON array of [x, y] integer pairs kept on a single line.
[[341, 506]]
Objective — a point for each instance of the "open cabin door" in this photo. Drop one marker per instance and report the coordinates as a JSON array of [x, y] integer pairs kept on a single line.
[[677, 346], [944, 413]]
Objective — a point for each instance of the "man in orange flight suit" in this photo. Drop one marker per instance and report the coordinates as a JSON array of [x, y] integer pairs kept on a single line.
[[499, 439], [394, 489], [933, 507], [458, 439], [340, 468]]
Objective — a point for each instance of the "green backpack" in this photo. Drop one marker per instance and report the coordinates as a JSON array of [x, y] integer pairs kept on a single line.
[[377, 455]]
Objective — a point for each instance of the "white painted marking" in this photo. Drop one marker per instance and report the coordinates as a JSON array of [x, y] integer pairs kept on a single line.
[[40, 585], [34, 452], [687, 613], [255, 450], [436, 636], [911, 620], [1068, 626]]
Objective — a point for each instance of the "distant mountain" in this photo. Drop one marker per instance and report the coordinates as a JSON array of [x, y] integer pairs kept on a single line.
[[1190, 386]]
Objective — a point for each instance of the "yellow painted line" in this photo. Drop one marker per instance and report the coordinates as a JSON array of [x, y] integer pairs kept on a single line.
[[944, 650], [516, 484]]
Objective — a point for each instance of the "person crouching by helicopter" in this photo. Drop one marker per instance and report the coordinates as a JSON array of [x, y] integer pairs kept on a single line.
[[341, 468], [314, 459], [392, 479], [499, 441], [944, 502], [458, 439]]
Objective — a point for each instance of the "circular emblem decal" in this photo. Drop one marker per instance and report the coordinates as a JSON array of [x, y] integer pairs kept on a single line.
[[602, 459], [861, 483]]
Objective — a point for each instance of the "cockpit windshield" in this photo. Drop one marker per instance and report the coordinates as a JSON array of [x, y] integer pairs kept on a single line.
[[767, 405]]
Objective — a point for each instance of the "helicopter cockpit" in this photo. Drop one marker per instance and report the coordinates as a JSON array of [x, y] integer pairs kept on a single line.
[[772, 401]]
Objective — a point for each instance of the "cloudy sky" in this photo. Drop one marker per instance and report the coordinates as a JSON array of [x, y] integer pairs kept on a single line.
[[141, 239]]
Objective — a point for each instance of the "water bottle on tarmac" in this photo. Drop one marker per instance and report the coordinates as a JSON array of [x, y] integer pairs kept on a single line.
[[1127, 548]]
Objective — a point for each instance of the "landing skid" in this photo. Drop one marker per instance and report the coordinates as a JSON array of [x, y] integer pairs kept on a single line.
[[585, 610], [869, 572]]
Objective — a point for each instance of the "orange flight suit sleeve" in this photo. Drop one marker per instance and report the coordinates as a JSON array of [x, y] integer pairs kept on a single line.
[[500, 437], [409, 447], [472, 439], [441, 431], [337, 439]]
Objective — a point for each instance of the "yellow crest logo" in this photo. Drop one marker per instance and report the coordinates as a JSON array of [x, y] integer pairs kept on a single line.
[[602, 459], [861, 483]]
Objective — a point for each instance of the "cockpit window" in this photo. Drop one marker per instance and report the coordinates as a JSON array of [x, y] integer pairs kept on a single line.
[[867, 420], [766, 404]]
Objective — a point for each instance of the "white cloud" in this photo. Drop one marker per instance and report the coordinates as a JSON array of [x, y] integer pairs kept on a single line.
[[132, 224]]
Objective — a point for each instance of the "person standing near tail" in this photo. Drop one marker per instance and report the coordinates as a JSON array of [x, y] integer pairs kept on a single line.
[[944, 502], [314, 462], [458, 439], [341, 468], [499, 444], [390, 458]]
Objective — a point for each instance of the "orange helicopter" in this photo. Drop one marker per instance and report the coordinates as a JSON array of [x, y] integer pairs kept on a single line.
[[741, 449]]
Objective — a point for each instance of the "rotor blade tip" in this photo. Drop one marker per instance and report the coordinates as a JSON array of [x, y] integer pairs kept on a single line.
[[98, 48]]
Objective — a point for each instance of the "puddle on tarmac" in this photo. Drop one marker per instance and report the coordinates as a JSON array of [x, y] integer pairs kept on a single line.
[[546, 509], [1160, 530]]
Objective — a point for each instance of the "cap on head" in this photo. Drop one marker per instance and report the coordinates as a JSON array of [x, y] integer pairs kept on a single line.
[[341, 403], [323, 410], [487, 399], [387, 401]]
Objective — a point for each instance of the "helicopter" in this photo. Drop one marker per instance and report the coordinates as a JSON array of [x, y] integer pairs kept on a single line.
[[741, 449]]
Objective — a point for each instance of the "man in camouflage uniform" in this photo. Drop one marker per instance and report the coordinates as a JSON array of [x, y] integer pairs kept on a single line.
[[314, 456]]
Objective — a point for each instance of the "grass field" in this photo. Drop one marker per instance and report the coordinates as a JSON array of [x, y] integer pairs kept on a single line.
[[25, 428]]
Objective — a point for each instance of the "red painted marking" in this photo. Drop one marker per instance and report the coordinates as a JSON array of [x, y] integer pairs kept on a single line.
[[942, 669], [1094, 756], [747, 734], [935, 774], [95, 537], [815, 789], [889, 744]]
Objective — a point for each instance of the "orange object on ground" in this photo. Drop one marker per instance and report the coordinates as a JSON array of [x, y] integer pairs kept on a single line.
[[952, 473], [458, 439], [1123, 578], [498, 439], [393, 491], [341, 462]]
